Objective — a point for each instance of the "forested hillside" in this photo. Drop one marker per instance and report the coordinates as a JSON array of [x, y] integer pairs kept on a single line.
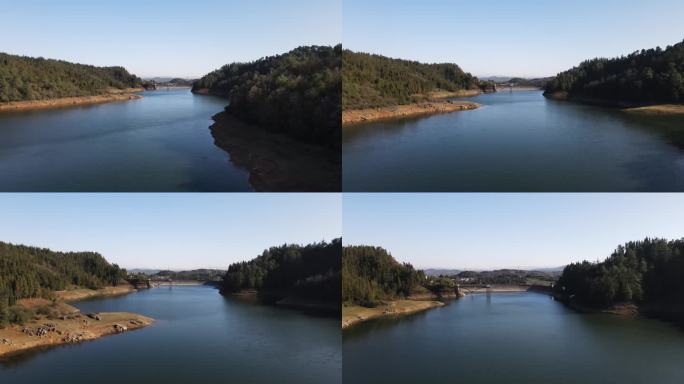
[[27, 78], [371, 275], [507, 277], [310, 271], [645, 271], [374, 81], [195, 274], [297, 93], [35, 272], [648, 76]]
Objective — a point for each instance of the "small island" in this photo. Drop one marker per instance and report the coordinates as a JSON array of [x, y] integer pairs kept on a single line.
[[36, 285]]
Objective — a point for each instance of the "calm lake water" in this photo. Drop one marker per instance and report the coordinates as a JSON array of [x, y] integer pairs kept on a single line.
[[199, 337], [512, 338], [517, 141], [159, 143]]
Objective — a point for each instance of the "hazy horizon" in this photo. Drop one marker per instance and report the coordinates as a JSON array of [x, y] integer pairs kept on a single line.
[[177, 231], [166, 38], [501, 230], [527, 38]]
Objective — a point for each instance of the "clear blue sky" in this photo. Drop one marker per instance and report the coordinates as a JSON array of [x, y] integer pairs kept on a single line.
[[484, 231], [514, 38], [187, 38], [174, 231]]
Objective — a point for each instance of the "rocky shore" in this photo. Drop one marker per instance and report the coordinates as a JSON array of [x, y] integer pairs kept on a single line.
[[355, 314], [359, 116], [68, 329], [277, 162]]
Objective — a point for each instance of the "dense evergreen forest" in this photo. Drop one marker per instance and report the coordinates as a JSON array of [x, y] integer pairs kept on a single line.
[[27, 78], [35, 272], [195, 274], [370, 81], [506, 277], [310, 271], [297, 93], [646, 76], [371, 275], [648, 271], [29, 272], [535, 82]]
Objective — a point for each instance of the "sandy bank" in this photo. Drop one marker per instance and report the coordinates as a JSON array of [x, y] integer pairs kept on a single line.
[[63, 102], [658, 110], [355, 314], [276, 162], [73, 329], [80, 294], [358, 116]]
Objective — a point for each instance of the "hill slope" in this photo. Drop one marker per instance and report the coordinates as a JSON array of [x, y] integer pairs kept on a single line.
[[371, 275], [311, 271], [296, 93], [648, 271], [370, 81], [35, 272], [647, 76], [26, 78]]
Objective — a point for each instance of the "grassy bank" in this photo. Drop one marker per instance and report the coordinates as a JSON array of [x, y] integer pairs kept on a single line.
[[358, 116], [110, 96], [355, 314], [277, 162]]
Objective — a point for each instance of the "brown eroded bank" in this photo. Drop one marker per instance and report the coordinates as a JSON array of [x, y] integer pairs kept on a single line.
[[277, 162], [63, 102], [65, 325], [355, 314], [358, 116]]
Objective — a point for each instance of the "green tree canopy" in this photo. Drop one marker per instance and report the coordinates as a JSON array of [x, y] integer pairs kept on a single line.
[[26, 78]]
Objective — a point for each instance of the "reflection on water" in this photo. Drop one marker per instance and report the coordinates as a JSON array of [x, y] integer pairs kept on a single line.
[[199, 336], [517, 141], [161, 142], [521, 337]]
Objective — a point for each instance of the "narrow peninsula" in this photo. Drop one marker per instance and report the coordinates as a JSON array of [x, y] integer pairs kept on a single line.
[[378, 88], [375, 285], [639, 277], [649, 82], [28, 83], [282, 121], [297, 276], [37, 283]]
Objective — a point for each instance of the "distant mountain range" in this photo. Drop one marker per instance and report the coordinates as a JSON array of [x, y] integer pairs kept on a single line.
[[519, 81], [451, 272], [171, 80], [143, 271]]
